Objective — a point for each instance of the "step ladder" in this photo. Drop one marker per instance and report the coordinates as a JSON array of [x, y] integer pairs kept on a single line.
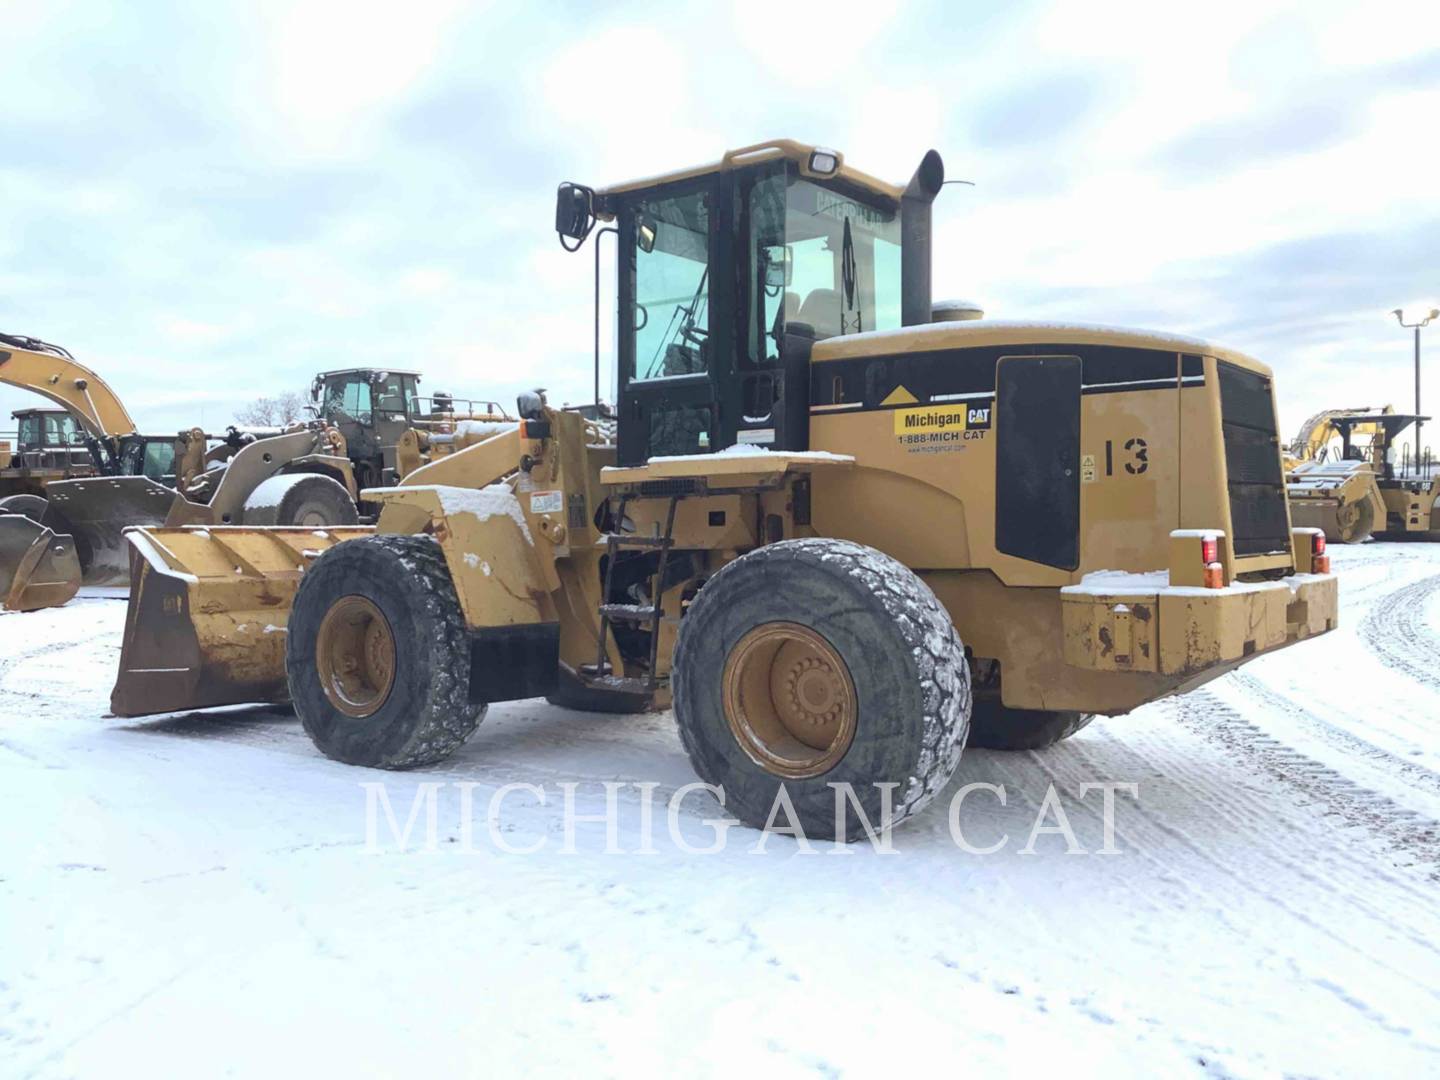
[[644, 615]]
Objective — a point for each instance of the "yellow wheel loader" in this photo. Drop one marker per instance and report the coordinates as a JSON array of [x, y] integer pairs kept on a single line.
[[367, 426], [843, 538]]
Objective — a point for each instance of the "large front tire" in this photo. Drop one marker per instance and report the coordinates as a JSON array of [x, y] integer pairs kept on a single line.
[[300, 499], [377, 656], [811, 663]]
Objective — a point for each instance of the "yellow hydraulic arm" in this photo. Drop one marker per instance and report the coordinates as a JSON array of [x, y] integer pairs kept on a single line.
[[52, 372]]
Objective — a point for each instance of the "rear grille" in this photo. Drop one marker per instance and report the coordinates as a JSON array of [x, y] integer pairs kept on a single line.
[[1252, 462]]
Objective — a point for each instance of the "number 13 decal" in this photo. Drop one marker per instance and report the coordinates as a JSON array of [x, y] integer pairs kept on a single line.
[[1139, 452]]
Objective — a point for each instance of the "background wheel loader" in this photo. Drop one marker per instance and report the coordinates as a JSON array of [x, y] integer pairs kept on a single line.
[[365, 423], [841, 553], [1353, 483]]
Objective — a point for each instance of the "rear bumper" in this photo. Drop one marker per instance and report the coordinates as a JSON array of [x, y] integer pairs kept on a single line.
[[1179, 631]]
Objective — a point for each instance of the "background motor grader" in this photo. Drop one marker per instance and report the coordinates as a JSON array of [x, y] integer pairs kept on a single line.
[[842, 538]]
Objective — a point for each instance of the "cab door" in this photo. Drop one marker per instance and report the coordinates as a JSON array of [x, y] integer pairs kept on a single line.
[[675, 305]]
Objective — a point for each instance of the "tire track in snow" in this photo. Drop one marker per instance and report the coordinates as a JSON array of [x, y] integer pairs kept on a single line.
[[1416, 774], [1192, 847], [1397, 630], [1403, 831]]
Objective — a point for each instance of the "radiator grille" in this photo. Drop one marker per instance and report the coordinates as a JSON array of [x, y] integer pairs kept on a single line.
[[1254, 477]]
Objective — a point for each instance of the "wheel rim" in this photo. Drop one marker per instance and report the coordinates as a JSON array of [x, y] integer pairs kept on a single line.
[[355, 656], [789, 700], [312, 517]]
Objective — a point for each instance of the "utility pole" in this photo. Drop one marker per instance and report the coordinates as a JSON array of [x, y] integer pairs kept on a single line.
[[1399, 314]]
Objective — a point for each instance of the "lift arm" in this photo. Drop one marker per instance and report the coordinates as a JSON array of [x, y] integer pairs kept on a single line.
[[53, 373]]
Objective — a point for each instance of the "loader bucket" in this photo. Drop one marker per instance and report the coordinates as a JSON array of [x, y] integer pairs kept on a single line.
[[208, 614], [38, 567], [99, 509]]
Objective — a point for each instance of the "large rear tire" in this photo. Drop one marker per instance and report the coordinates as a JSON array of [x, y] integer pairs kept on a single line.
[[995, 727], [306, 499], [808, 663], [377, 657]]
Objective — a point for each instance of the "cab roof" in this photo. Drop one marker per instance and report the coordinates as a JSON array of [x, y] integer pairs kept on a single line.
[[367, 371], [773, 150]]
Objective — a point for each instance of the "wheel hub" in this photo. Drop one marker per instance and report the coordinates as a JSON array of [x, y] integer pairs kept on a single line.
[[355, 656], [789, 700]]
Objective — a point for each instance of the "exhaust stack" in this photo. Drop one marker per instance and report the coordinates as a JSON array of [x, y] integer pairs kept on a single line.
[[915, 259]]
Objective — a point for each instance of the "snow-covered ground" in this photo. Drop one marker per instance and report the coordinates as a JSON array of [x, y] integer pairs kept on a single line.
[[196, 895]]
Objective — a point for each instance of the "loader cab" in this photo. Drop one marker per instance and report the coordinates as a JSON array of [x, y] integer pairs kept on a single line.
[[372, 408], [728, 275]]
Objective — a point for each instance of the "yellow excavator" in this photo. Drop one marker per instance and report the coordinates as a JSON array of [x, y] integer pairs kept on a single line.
[[844, 533], [39, 562]]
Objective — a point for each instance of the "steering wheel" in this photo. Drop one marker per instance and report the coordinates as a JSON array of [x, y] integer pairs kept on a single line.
[[644, 322]]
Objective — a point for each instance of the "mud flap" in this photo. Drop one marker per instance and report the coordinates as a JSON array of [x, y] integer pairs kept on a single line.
[[99, 509], [38, 567]]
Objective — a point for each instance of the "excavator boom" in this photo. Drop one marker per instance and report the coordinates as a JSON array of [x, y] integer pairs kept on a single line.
[[50, 371]]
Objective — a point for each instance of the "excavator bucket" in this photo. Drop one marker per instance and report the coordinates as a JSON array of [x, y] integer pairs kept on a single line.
[[38, 567], [98, 509], [208, 613]]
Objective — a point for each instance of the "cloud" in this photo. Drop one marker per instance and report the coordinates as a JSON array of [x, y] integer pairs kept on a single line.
[[1042, 110], [210, 202]]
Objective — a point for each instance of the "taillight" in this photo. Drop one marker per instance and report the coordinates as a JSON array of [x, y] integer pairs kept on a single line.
[[1214, 574], [1319, 557]]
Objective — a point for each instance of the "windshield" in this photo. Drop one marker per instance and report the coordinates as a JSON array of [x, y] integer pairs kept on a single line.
[[820, 258], [347, 397]]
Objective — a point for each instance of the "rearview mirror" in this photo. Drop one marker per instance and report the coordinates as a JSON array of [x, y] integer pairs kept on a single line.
[[573, 211], [779, 266], [645, 236]]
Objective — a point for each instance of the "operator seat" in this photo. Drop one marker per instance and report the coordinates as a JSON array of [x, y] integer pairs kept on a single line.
[[821, 310]]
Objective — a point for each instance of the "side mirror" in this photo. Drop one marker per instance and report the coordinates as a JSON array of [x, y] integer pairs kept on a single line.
[[645, 232], [779, 267], [574, 213]]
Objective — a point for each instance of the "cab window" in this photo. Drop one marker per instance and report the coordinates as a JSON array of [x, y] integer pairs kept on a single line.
[[821, 258], [348, 398], [671, 308], [159, 459]]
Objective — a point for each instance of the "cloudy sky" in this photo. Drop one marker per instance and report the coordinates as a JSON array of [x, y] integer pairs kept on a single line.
[[208, 202]]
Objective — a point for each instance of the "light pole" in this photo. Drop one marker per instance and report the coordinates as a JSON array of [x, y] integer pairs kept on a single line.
[[1399, 314]]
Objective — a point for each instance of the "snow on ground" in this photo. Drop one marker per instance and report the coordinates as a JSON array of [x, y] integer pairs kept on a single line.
[[194, 895]]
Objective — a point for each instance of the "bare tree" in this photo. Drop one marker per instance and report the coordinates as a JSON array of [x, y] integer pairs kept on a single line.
[[284, 408]]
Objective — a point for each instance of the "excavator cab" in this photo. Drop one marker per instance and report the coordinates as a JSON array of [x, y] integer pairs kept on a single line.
[[47, 439]]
